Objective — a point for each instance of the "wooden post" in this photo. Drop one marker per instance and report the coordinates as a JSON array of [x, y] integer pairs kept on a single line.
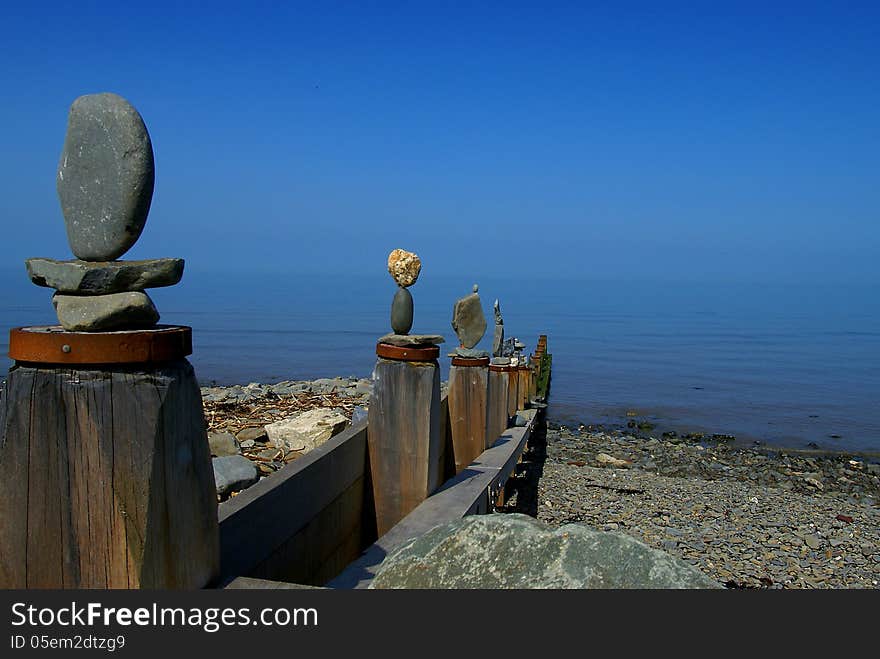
[[522, 389], [403, 432], [533, 380], [468, 393], [107, 477], [512, 392], [499, 379]]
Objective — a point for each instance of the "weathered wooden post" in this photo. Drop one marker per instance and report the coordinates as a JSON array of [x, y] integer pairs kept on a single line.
[[468, 382], [499, 378], [107, 477], [512, 391], [403, 433], [523, 385], [533, 379]]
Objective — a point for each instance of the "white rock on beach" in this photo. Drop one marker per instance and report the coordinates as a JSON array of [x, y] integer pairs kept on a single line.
[[306, 431]]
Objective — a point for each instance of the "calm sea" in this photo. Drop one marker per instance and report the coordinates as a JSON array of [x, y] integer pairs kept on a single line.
[[784, 364]]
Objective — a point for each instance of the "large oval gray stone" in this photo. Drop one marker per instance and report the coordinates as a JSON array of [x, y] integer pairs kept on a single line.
[[105, 177], [517, 551]]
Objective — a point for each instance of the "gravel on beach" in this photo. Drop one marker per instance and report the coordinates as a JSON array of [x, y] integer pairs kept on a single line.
[[749, 518]]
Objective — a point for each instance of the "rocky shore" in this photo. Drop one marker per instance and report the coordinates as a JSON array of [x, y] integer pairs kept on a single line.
[[746, 517], [255, 429]]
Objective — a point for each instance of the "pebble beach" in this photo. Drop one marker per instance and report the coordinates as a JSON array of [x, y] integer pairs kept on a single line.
[[746, 517]]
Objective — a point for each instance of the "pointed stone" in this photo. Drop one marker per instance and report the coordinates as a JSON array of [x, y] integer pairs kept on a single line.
[[468, 320], [105, 177]]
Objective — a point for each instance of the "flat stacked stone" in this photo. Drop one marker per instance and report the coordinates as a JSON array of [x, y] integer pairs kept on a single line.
[[105, 185], [104, 277]]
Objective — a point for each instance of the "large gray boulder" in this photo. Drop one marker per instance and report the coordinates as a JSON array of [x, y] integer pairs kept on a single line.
[[517, 551]]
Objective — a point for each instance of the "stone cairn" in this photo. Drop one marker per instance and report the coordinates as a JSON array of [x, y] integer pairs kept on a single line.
[[404, 268], [469, 324], [105, 185]]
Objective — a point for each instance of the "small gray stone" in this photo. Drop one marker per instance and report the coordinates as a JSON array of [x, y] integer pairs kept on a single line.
[[516, 551], [402, 311], [469, 353], [468, 320], [105, 177], [252, 434], [96, 313], [222, 443], [234, 472], [104, 277], [405, 340]]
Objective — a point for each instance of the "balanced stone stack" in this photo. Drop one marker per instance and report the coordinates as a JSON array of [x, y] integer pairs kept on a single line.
[[105, 185], [405, 267], [469, 324]]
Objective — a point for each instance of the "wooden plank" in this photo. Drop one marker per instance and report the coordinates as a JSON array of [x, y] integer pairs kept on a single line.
[[468, 391], [403, 437], [15, 426], [467, 493], [323, 547], [497, 405], [251, 526], [44, 537]]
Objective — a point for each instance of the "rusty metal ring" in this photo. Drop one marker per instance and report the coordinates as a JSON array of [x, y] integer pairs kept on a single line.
[[470, 361], [54, 345], [408, 353]]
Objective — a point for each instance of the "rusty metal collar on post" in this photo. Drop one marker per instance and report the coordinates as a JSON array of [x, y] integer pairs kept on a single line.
[[470, 361], [423, 353], [55, 345]]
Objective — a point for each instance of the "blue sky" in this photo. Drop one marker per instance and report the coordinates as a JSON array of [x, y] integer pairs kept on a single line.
[[614, 140]]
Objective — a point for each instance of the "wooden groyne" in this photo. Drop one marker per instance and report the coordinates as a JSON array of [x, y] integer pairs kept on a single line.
[[314, 522]]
